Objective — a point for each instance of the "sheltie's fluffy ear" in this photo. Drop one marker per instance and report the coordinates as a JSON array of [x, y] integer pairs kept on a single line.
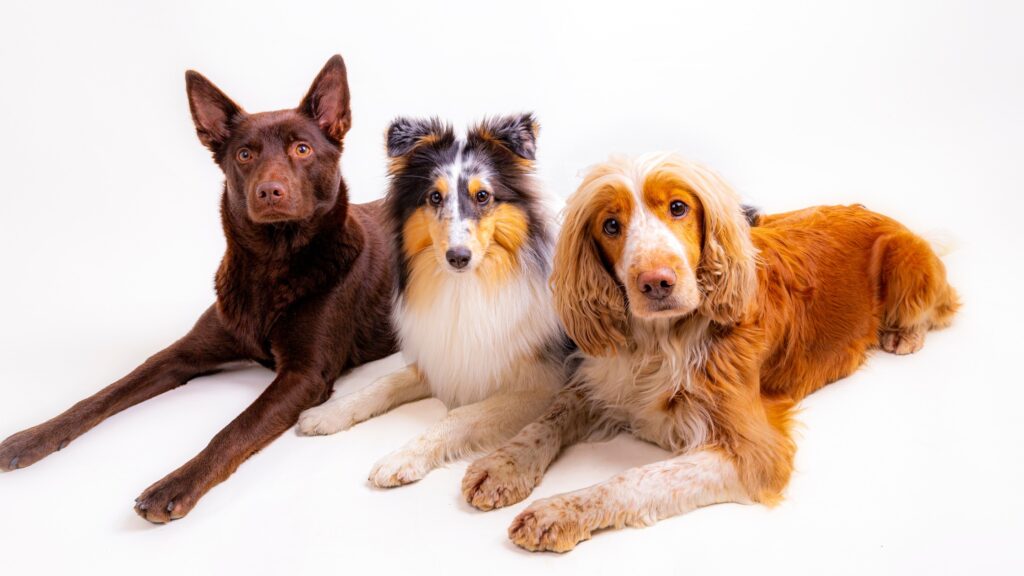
[[586, 295], [516, 133], [727, 274], [405, 134]]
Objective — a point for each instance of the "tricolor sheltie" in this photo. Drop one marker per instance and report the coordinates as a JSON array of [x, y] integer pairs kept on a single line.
[[473, 238]]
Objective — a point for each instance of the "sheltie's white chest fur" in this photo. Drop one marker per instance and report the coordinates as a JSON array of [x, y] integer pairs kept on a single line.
[[475, 339], [651, 389]]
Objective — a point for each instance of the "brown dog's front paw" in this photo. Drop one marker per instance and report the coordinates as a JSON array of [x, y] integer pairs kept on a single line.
[[552, 524], [28, 447], [169, 499], [497, 481]]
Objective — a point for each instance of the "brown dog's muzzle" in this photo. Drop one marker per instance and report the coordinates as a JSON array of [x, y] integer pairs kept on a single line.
[[273, 201]]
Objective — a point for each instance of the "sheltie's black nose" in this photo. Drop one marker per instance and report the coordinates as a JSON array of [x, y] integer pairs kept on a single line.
[[458, 257]]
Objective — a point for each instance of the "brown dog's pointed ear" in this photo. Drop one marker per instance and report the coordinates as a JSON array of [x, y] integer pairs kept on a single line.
[[586, 296], [327, 101], [213, 112]]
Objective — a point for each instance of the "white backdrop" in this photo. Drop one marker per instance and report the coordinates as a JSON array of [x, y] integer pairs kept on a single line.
[[110, 237]]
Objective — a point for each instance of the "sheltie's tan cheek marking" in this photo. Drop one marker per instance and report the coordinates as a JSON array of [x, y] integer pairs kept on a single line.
[[618, 204], [689, 229], [416, 235], [501, 233]]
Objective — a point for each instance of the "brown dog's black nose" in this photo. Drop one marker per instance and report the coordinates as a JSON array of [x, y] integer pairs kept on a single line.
[[272, 193], [458, 257], [656, 284]]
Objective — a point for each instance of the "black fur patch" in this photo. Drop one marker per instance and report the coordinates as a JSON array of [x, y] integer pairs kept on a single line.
[[752, 214], [404, 134], [517, 133]]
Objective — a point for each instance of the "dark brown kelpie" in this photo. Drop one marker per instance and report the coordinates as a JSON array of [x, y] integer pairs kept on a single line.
[[304, 287]]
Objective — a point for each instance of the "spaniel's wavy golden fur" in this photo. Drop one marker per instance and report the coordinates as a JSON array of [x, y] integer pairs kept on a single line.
[[699, 334]]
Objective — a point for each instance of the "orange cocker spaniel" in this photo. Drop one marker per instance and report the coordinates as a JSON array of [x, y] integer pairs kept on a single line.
[[700, 333]]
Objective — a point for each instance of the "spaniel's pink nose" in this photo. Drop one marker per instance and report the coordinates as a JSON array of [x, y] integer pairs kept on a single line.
[[656, 284]]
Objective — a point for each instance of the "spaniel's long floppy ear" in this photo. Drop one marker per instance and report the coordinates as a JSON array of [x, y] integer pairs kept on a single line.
[[727, 273], [586, 296]]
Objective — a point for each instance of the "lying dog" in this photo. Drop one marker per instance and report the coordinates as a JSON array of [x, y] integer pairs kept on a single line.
[[304, 287], [473, 242], [700, 335]]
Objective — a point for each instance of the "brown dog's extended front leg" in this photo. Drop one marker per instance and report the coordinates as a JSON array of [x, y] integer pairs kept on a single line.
[[275, 411], [206, 347]]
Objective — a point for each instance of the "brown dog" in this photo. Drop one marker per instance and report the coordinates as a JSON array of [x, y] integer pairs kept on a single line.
[[304, 287]]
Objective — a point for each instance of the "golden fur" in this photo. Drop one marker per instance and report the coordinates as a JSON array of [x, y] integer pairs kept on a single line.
[[782, 309]]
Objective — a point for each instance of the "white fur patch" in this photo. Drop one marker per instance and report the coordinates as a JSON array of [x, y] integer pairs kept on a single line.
[[633, 386], [475, 340]]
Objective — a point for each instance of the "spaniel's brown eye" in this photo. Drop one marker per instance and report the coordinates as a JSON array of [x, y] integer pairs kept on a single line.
[[302, 149], [611, 227], [678, 208], [435, 198], [244, 155], [483, 196]]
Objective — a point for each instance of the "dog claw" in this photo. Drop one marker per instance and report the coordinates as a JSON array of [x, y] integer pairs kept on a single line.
[[14, 463], [62, 445], [170, 505]]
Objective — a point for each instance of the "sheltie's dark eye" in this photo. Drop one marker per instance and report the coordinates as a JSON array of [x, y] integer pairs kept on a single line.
[[678, 208], [483, 196], [435, 198], [611, 227]]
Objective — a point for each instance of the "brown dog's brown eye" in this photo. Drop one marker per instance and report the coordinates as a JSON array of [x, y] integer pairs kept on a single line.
[[302, 149], [611, 227], [678, 208], [244, 155], [435, 198], [483, 196]]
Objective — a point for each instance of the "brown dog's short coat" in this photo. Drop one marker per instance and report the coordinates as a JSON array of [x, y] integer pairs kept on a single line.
[[305, 287]]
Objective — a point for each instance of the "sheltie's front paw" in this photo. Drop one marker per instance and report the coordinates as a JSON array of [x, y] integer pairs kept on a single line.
[[398, 469], [327, 418]]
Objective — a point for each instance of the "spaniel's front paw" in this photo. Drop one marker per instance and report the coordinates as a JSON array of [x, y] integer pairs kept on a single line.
[[552, 524], [497, 481]]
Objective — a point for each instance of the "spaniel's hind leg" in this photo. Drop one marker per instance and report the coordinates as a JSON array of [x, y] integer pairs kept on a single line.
[[342, 412], [915, 296], [463, 431]]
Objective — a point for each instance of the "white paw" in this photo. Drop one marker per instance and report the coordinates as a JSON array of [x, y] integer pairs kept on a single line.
[[398, 469], [327, 418]]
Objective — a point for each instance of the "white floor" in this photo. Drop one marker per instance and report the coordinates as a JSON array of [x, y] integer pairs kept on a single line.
[[109, 239]]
